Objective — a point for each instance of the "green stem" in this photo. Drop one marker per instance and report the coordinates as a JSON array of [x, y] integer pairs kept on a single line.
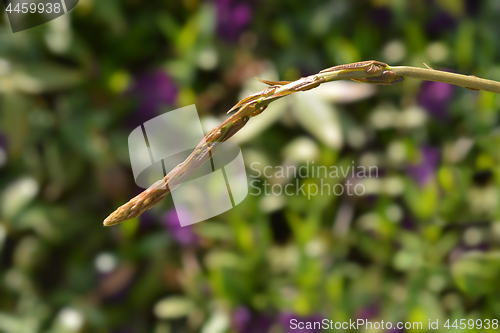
[[465, 81]]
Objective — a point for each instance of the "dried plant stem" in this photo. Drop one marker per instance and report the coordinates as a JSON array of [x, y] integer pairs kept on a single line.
[[375, 72]]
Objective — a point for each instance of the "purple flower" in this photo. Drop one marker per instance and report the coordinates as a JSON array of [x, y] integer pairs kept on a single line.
[[426, 167], [472, 7], [440, 23], [285, 319], [3, 150], [367, 312], [183, 235], [232, 18], [408, 223], [3, 141], [147, 221], [153, 90], [434, 97], [381, 17], [245, 321]]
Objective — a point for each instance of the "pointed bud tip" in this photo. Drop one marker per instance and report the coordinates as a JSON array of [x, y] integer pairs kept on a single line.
[[108, 222]]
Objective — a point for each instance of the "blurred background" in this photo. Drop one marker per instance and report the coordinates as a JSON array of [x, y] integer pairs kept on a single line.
[[422, 242]]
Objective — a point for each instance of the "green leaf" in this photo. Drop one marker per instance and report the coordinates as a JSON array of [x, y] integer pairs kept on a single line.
[[477, 273]]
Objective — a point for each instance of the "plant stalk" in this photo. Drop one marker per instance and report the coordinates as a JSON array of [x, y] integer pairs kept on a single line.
[[374, 72], [470, 82]]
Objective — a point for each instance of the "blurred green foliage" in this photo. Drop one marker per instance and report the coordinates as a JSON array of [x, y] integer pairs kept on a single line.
[[422, 243]]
